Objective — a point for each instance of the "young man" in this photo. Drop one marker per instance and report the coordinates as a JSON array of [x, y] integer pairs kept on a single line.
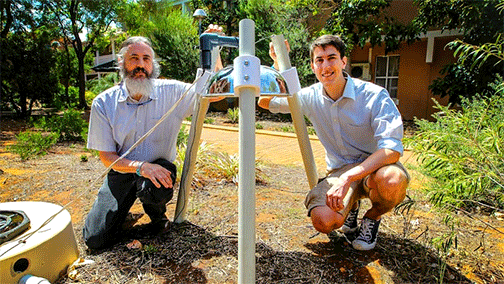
[[119, 117], [361, 130]]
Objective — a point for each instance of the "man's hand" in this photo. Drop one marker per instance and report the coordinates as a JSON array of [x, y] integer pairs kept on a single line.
[[337, 193], [157, 174], [216, 29]]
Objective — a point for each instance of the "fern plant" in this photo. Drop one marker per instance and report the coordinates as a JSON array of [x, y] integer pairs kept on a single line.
[[233, 115], [462, 151], [479, 55]]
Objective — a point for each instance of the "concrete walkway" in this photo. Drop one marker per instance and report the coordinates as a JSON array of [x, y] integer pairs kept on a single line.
[[271, 147]]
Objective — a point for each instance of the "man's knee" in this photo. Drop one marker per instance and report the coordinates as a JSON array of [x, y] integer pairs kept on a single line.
[[390, 184], [93, 239], [148, 193], [95, 243], [169, 166], [389, 176], [100, 227], [325, 220]]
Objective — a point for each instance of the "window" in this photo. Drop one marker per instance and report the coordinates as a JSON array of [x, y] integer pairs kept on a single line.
[[387, 73]]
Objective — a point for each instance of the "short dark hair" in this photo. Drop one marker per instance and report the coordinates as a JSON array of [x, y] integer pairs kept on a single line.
[[327, 40]]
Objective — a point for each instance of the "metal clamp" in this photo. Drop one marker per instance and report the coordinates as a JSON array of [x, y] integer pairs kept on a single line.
[[247, 72]]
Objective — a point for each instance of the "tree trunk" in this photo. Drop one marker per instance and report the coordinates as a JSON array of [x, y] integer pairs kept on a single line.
[[82, 84], [22, 104], [66, 78]]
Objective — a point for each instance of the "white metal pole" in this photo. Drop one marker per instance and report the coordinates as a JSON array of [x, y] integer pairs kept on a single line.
[[297, 116], [246, 175]]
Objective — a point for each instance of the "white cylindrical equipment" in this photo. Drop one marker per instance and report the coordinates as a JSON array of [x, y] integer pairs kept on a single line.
[[46, 252]]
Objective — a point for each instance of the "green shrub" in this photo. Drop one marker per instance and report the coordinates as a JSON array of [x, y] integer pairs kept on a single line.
[[208, 120], [224, 166], [150, 249], [31, 144], [307, 121], [463, 152], [259, 126], [182, 136], [289, 128], [70, 126], [217, 165], [203, 152], [89, 96], [96, 86], [64, 98], [233, 115], [445, 243]]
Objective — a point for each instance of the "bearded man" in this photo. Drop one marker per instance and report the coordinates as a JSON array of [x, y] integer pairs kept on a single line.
[[119, 117]]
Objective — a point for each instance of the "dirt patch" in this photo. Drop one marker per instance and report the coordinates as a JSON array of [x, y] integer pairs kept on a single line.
[[288, 249]]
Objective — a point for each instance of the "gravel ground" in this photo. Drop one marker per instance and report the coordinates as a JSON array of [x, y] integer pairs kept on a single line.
[[288, 249]]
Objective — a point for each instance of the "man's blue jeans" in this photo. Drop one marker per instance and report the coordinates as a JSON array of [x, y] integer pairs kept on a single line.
[[115, 198]]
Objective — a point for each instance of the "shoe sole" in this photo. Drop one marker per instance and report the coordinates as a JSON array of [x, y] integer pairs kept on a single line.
[[347, 230], [363, 246]]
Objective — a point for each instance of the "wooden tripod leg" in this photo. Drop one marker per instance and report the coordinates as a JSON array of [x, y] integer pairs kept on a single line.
[[201, 108]]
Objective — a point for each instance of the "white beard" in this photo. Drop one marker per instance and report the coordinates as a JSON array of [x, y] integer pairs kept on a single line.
[[139, 86]]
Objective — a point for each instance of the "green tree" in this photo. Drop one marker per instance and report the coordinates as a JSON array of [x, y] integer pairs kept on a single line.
[[481, 22], [68, 67], [226, 14], [77, 16], [362, 21], [26, 78], [271, 17], [481, 54], [173, 35], [175, 38], [135, 17], [27, 57]]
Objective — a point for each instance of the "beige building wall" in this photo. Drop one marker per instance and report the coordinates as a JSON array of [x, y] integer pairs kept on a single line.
[[415, 75]]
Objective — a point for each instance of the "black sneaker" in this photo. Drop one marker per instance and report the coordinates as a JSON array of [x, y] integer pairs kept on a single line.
[[366, 240], [160, 226], [350, 224]]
